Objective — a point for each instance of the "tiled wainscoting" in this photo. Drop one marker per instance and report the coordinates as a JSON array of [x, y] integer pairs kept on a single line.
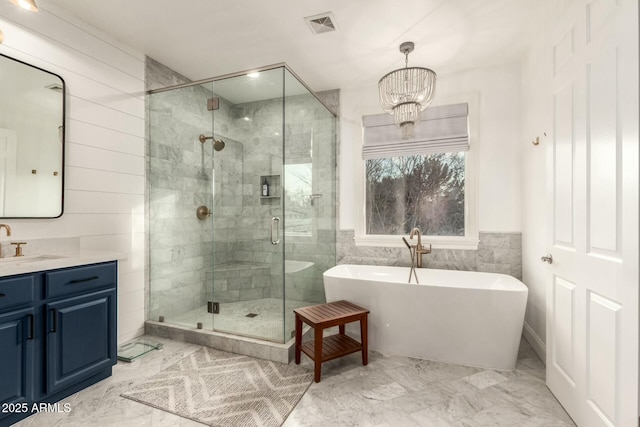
[[497, 253]]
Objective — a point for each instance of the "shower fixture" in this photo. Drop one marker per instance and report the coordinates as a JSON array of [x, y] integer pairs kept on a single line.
[[203, 212], [218, 144]]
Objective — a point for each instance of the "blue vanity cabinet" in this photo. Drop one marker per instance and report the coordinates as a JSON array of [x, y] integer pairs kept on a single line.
[[80, 311], [80, 338], [57, 335], [17, 343], [16, 358]]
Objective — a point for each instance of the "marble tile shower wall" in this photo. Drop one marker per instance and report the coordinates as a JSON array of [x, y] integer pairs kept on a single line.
[[184, 249], [258, 125], [180, 176], [497, 253], [228, 283], [309, 138]]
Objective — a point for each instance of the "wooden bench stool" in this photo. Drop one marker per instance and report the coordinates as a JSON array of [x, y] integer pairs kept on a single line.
[[323, 316]]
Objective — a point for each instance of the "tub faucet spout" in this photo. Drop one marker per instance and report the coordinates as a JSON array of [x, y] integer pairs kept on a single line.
[[420, 250]]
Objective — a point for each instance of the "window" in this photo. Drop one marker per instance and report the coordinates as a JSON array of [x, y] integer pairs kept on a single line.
[[424, 191], [298, 200], [425, 182]]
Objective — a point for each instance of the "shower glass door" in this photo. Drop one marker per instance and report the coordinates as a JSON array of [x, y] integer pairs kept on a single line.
[[248, 205], [310, 196], [180, 185]]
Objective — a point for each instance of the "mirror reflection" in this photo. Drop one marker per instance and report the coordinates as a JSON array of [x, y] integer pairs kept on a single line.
[[31, 141]]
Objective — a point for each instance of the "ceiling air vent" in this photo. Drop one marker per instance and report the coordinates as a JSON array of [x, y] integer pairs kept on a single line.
[[323, 23]]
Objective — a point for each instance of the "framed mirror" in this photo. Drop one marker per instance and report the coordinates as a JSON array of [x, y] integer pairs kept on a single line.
[[32, 130]]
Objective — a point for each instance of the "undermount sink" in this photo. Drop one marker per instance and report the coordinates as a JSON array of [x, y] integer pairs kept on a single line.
[[19, 260]]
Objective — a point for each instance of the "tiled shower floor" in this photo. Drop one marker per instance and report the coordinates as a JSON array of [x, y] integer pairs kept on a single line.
[[266, 325]]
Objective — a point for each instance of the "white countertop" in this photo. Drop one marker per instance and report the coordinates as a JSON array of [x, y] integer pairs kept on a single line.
[[40, 262]]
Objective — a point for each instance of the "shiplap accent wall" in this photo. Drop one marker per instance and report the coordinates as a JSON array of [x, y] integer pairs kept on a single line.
[[104, 173]]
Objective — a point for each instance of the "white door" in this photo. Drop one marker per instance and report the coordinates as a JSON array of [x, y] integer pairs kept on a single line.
[[592, 287]]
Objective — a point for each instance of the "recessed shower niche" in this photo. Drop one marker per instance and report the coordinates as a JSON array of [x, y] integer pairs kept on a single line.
[[269, 189], [239, 258]]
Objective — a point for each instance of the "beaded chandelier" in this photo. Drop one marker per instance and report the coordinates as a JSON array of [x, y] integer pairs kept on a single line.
[[406, 92]]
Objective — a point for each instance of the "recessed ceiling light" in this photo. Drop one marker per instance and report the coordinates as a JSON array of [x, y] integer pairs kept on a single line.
[[254, 75], [323, 23], [26, 4]]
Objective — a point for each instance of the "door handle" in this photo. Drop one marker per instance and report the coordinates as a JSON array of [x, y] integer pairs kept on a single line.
[[275, 221], [31, 326], [547, 258], [88, 279], [54, 320]]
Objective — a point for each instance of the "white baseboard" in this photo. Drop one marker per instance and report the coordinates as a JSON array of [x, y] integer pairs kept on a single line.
[[538, 345]]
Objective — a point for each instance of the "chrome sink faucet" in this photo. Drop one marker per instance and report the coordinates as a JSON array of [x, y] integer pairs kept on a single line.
[[8, 230], [420, 250]]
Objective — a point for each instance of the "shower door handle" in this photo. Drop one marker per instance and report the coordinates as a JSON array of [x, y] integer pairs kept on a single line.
[[275, 221]]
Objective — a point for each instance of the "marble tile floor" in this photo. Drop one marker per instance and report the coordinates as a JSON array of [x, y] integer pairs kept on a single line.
[[267, 325], [395, 391], [391, 391]]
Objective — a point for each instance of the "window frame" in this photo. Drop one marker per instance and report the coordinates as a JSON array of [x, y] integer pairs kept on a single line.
[[470, 239]]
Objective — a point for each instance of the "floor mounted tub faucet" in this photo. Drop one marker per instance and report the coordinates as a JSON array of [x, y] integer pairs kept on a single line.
[[420, 250]]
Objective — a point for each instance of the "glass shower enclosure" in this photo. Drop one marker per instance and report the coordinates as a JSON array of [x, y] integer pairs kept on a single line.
[[242, 202]]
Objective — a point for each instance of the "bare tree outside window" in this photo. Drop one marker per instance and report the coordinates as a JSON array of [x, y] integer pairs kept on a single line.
[[297, 184], [424, 191]]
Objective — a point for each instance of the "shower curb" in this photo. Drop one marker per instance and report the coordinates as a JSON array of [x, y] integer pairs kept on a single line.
[[276, 352]]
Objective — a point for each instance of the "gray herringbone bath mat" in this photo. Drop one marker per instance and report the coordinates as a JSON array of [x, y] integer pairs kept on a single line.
[[223, 389]]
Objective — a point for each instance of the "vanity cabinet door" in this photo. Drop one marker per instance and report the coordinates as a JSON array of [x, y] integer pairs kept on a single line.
[[81, 338], [16, 359]]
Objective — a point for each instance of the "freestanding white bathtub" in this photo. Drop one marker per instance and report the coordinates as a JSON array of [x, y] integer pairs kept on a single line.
[[462, 317]]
